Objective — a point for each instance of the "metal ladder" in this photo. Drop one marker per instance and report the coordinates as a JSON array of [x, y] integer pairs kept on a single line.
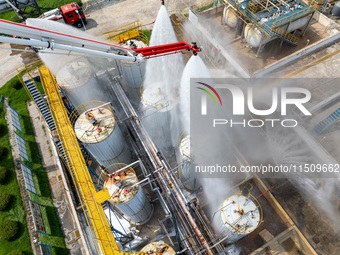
[[36, 96], [59, 145]]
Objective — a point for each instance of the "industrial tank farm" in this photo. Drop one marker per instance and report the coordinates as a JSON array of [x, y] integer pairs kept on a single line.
[[133, 176]]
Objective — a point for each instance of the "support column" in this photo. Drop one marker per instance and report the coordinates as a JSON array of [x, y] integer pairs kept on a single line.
[[306, 27]]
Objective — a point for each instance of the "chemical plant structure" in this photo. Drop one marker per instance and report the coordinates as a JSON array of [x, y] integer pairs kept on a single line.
[[135, 194]]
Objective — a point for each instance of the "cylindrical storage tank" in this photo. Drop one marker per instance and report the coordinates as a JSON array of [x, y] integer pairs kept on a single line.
[[95, 125], [133, 73], [185, 173], [229, 16], [238, 216], [78, 81], [299, 23], [159, 106], [336, 9], [253, 35], [158, 248], [126, 194]]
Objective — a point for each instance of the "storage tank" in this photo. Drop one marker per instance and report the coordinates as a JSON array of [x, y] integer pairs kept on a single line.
[[158, 107], [185, 174], [336, 10], [238, 216], [253, 35], [95, 125], [158, 248], [229, 16], [133, 72], [126, 194], [79, 83]]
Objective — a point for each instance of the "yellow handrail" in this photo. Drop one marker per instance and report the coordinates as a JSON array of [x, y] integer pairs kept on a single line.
[[94, 212], [127, 32]]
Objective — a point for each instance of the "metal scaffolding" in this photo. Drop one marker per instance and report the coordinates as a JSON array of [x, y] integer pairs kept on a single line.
[[273, 17]]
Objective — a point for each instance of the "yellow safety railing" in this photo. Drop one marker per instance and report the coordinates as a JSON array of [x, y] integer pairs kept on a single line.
[[284, 34], [127, 32], [100, 228]]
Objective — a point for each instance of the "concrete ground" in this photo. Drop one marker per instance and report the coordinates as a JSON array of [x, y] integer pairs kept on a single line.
[[106, 15], [319, 231], [59, 196]]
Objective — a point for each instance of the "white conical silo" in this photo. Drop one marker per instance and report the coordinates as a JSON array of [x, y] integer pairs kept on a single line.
[[95, 125], [127, 195], [79, 83], [230, 17], [159, 106], [185, 174], [237, 217], [158, 248]]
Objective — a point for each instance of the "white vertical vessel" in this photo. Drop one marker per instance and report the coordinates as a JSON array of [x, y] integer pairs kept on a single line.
[[96, 126], [127, 195], [185, 174], [237, 217], [79, 83], [159, 105]]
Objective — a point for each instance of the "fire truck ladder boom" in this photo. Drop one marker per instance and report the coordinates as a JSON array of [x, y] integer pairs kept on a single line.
[[41, 39]]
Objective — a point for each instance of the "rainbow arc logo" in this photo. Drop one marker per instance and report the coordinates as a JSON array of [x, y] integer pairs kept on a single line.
[[204, 97]]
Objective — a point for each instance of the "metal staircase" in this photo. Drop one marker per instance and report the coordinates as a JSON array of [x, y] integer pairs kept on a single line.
[[327, 122], [36, 96], [286, 36], [99, 226], [60, 148]]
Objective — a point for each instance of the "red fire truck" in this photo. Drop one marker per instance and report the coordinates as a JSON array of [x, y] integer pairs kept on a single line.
[[71, 14]]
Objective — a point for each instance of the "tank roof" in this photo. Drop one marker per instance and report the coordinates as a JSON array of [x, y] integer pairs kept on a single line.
[[155, 96], [242, 213], [74, 74], [184, 147], [122, 185], [159, 248], [97, 131]]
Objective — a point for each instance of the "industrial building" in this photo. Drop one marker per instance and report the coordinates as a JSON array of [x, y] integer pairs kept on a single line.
[[115, 110]]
